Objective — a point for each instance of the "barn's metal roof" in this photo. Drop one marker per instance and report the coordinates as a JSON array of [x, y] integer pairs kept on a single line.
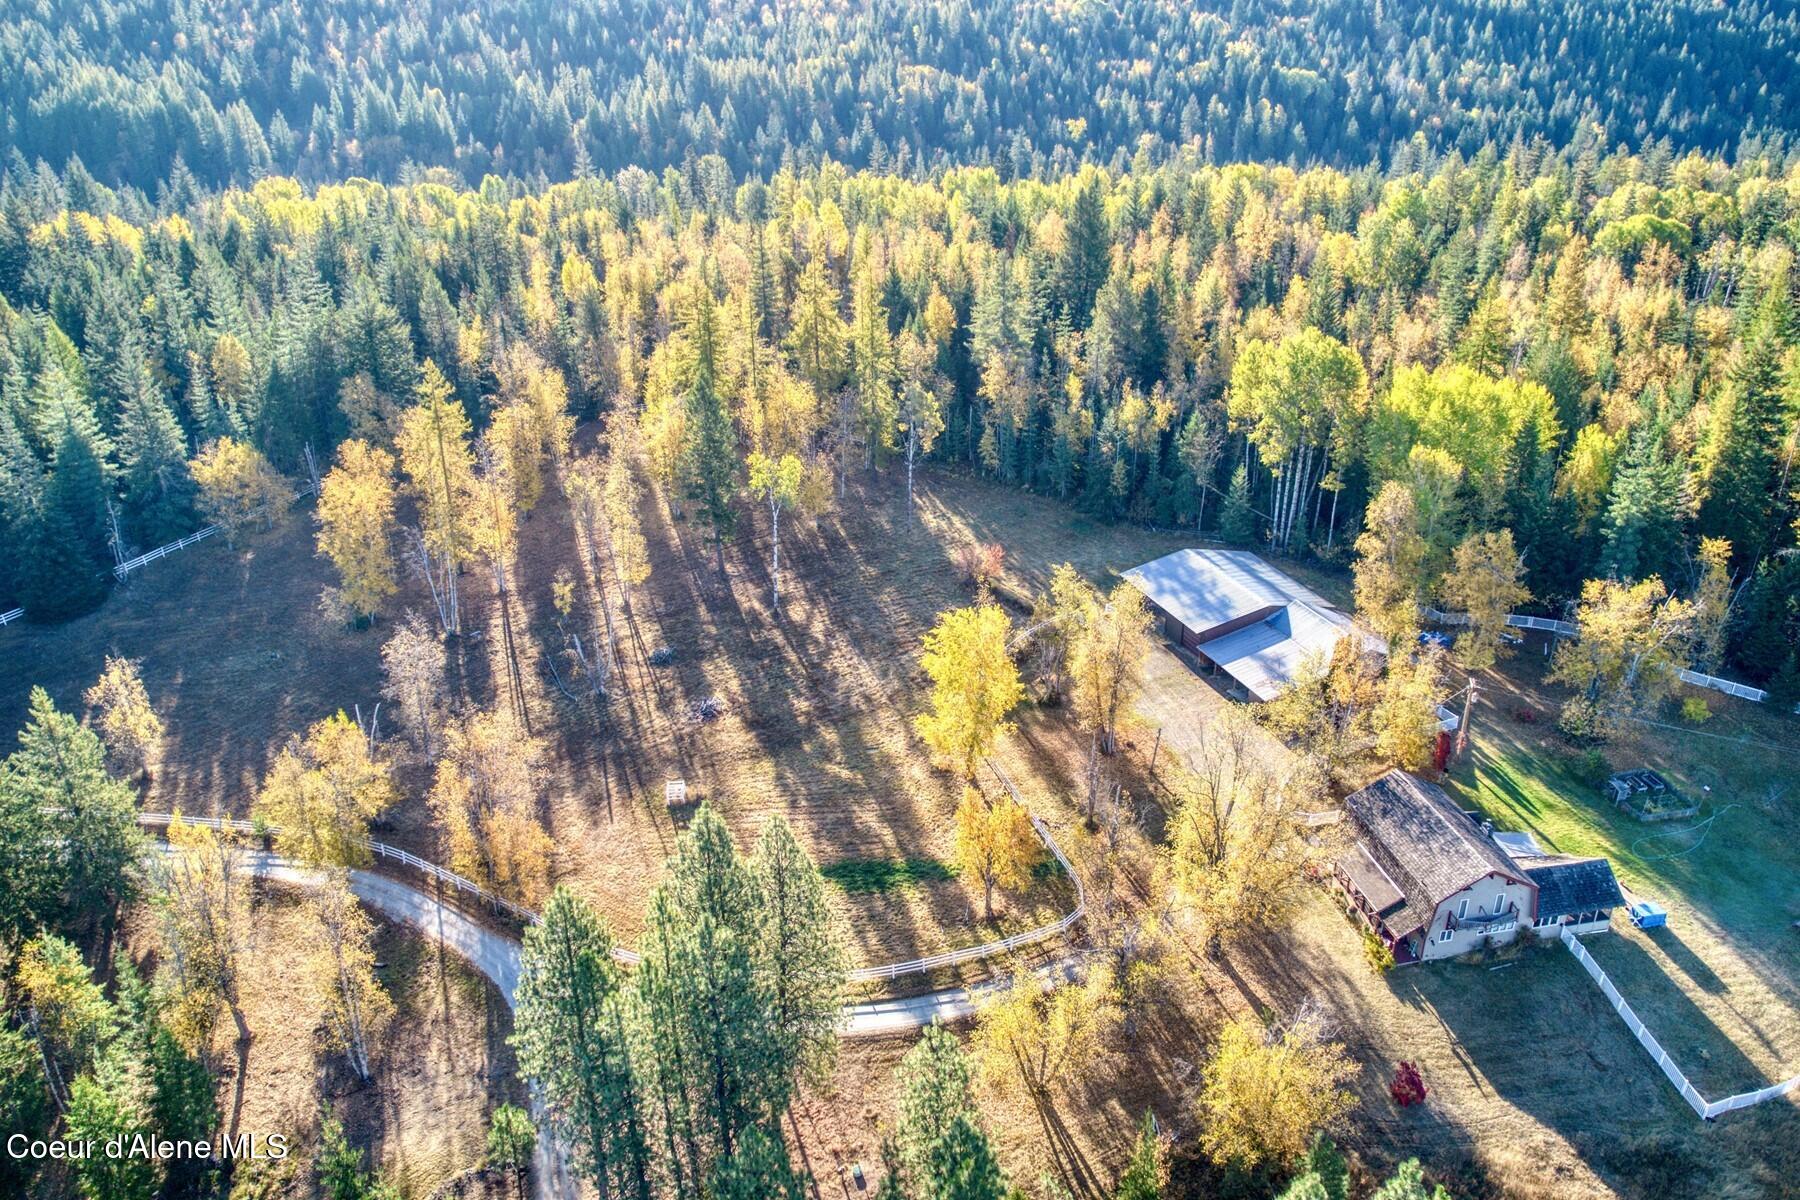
[[1265, 656], [1204, 589]]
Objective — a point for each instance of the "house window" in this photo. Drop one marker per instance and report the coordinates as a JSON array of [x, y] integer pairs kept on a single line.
[[1448, 933], [1499, 902], [1462, 910]]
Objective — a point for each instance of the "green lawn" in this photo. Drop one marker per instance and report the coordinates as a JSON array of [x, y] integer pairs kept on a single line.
[[1722, 982]]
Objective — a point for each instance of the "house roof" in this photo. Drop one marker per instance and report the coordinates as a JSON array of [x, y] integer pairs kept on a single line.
[[1204, 589], [1382, 893], [1424, 843], [1571, 885]]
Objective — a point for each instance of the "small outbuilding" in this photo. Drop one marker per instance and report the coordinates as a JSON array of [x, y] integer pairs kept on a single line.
[[1238, 614]]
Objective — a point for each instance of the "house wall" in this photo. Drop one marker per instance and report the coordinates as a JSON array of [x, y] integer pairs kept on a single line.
[[1579, 928], [1467, 935]]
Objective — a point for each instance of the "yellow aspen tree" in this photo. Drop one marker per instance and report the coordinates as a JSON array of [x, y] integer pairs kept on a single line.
[[341, 970], [975, 684], [356, 525], [1265, 1092], [1405, 718], [1235, 856], [1712, 603], [1390, 559], [778, 484], [1486, 581], [202, 898], [996, 844], [440, 469], [238, 488], [494, 533], [1040, 1037], [1107, 649], [129, 727], [486, 798], [322, 791]]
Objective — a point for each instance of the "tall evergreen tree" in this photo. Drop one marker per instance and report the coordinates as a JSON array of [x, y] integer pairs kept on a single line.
[[572, 1033], [60, 767]]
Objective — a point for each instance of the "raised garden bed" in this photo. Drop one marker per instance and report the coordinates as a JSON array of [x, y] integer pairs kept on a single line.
[[1648, 797]]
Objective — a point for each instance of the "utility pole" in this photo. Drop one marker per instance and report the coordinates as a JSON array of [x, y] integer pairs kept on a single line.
[[1462, 730]]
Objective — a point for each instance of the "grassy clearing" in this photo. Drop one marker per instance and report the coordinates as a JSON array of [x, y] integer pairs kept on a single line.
[[859, 875]]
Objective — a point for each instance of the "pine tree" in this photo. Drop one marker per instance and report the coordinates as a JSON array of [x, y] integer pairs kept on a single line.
[[1237, 523], [873, 368], [1739, 457], [571, 1032], [937, 1148], [707, 998], [159, 492], [757, 1170], [67, 568], [1146, 1173], [710, 455], [60, 767], [1087, 251], [113, 1101], [803, 951], [1642, 525]]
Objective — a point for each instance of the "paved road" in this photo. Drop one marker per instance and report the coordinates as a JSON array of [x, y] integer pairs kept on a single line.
[[496, 955]]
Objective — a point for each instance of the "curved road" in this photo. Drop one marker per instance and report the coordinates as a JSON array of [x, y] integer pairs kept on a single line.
[[496, 955]]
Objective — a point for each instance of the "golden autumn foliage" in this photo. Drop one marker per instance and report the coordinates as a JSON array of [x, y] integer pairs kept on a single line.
[[322, 792], [128, 725], [356, 524], [996, 844], [974, 685], [341, 972], [1486, 583], [1038, 1037], [1267, 1091], [486, 798], [238, 487]]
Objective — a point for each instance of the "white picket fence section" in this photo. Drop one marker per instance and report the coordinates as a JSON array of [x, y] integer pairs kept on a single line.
[[1004, 945], [380, 850], [199, 535], [1730, 687], [7, 618], [1704, 1108], [474, 891]]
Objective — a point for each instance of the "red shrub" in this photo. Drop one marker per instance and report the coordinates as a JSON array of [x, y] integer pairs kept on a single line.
[[1408, 1088]]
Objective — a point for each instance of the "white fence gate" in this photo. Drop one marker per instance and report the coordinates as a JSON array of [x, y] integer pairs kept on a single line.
[[1700, 1104]]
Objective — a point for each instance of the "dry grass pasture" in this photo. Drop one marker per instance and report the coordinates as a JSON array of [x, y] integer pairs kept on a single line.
[[1537, 1089]]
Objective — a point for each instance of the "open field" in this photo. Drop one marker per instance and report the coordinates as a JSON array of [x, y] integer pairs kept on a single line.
[[1538, 1090]]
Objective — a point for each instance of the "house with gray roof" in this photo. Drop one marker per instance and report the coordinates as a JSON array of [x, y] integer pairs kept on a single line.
[[1433, 881], [1238, 614]]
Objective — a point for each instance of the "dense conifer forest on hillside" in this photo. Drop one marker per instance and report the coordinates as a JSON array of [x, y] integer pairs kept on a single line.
[[238, 89], [824, 340], [1594, 348]]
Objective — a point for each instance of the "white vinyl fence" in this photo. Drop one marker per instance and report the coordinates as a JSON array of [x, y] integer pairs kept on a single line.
[[1004, 945], [199, 535], [1742, 691], [1707, 1109], [474, 891], [149, 556]]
